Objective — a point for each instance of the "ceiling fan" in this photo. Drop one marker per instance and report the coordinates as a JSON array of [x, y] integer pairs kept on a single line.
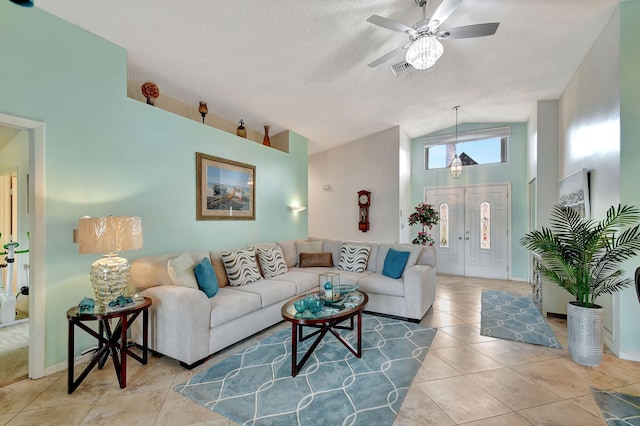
[[424, 49]]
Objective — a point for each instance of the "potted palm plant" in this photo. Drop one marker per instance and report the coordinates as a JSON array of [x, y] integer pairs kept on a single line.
[[583, 257]]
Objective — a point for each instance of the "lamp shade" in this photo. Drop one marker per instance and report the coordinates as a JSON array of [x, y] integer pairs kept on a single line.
[[424, 52], [111, 234]]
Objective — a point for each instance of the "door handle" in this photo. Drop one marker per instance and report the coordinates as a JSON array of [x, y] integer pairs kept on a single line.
[[467, 238], [459, 238]]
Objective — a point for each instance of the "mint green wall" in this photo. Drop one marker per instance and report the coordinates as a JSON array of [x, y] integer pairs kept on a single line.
[[107, 154], [514, 171], [629, 315]]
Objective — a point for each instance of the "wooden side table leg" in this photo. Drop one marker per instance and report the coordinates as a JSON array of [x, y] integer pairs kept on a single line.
[[145, 335], [294, 349], [359, 334], [70, 360], [123, 352]]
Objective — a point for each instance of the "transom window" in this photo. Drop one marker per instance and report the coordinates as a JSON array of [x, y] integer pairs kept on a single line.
[[477, 147]]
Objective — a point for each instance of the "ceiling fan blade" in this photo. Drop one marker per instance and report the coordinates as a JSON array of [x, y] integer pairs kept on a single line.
[[390, 24], [443, 11], [385, 58], [470, 31]]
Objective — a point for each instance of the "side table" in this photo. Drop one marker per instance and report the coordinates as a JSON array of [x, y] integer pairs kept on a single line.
[[110, 341]]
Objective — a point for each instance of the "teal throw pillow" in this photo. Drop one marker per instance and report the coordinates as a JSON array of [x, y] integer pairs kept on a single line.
[[206, 277], [394, 263]]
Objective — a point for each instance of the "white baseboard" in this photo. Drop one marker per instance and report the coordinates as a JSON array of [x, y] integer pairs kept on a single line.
[[64, 365]]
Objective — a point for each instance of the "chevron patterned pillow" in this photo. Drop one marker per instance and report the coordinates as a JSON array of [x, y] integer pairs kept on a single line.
[[241, 266], [353, 258], [271, 261]]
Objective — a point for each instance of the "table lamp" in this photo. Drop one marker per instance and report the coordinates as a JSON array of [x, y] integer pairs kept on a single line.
[[109, 235]]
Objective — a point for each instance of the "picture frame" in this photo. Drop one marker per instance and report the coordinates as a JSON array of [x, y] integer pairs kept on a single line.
[[225, 189], [574, 192]]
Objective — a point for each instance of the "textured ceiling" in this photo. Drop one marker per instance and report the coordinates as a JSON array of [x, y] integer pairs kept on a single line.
[[302, 65]]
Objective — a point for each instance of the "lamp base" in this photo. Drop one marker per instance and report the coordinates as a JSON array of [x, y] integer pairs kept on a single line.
[[109, 278]]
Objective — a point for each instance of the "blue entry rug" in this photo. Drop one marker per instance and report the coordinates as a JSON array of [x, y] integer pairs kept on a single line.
[[617, 408], [255, 387], [512, 317]]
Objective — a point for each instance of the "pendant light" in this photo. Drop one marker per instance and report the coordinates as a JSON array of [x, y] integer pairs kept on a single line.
[[455, 167]]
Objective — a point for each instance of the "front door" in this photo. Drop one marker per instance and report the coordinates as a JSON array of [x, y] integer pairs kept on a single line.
[[472, 237]]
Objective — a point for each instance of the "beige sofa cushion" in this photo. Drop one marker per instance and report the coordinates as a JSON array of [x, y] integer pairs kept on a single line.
[[181, 271], [379, 284], [230, 304], [270, 291], [151, 271]]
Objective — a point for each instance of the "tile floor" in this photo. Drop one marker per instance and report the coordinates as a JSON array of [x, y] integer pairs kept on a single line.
[[465, 379]]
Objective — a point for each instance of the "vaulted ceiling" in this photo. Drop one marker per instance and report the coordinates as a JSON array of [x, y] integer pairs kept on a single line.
[[302, 64]]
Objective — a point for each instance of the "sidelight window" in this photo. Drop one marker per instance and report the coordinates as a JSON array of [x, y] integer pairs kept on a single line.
[[485, 225], [444, 225]]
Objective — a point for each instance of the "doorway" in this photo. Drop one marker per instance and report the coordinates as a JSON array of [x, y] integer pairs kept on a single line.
[[472, 236], [33, 193]]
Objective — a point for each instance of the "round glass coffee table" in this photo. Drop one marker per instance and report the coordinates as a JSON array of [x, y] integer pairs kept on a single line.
[[328, 319]]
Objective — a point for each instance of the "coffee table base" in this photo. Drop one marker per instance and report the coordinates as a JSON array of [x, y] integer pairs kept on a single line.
[[323, 328]]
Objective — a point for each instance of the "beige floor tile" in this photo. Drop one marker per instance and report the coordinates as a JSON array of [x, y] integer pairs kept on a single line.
[[465, 359], [511, 419], [68, 415], [419, 410], [630, 389], [587, 403], [513, 390], [467, 315], [563, 413], [444, 340], [438, 319], [466, 333], [17, 396], [136, 408], [569, 379], [511, 353], [433, 368], [463, 400], [94, 386], [180, 410]]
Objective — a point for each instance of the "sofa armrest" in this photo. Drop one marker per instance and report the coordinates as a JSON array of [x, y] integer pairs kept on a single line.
[[178, 323], [419, 290]]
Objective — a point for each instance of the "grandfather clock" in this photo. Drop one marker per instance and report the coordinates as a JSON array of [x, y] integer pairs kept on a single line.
[[364, 201]]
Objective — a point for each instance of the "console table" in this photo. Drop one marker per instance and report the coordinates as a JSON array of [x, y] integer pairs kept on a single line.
[[111, 341]]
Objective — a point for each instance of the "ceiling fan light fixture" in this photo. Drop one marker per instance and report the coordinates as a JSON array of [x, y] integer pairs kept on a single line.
[[424, 52]]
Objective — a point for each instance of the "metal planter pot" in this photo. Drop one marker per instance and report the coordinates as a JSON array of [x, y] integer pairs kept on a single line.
[[584, 326]]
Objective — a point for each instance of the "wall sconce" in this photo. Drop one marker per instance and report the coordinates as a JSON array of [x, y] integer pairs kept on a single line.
[[297, 209], [203, 110]]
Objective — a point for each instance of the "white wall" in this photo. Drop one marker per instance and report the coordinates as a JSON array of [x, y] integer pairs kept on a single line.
[[405, 187], [370, 163], [589, 135]]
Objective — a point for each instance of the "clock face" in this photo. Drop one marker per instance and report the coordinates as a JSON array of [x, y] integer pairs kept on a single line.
[[364, 199]]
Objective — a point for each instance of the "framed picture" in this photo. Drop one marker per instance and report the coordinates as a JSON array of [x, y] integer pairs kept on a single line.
[[225, 189], [574, 192]]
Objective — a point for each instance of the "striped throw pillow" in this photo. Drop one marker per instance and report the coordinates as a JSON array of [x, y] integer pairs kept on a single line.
[[241, 266], [271, 261], [353, 258]]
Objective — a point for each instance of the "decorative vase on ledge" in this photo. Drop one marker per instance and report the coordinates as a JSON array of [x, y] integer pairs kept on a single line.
[[241, 130], [266, 141]]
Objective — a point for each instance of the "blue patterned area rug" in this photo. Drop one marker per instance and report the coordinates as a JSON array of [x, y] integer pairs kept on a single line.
[[512, 317], [255, 387], [618, 408]]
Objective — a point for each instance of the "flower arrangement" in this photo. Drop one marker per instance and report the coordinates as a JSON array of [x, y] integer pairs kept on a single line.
[[426, 216]]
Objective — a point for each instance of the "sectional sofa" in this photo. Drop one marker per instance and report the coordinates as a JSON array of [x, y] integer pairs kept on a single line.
[[254, 282]]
